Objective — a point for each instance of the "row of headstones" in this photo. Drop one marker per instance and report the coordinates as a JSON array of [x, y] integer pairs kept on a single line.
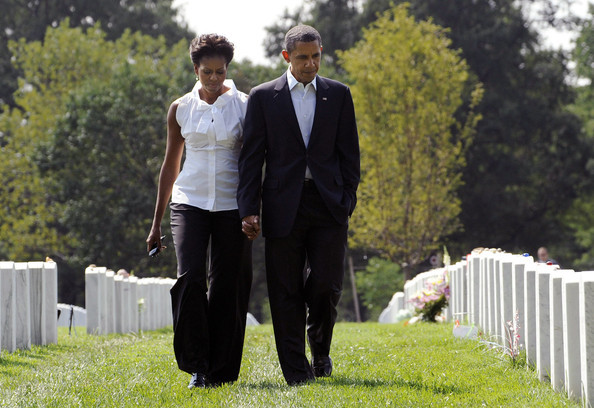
[[28, 299], [550, 309], [117, 304]]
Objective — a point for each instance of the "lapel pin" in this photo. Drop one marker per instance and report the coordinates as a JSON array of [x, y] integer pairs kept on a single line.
[[324, 98]]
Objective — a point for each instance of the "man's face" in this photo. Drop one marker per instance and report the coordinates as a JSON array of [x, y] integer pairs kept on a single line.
[[304, 60], [543, 255]]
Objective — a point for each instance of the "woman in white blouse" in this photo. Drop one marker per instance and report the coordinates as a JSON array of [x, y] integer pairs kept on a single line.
[[208, 320]]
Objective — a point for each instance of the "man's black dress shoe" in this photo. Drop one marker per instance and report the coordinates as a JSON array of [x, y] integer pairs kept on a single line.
[[322, 367], [198, 381]]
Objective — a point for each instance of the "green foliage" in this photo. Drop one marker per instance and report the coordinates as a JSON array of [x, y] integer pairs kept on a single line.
[[80, 165], [247, 75], [339, 22], [407, 86], [274, 42], [526, 163], [100, 165], [377, 283], [30, 20], [374, 365], [579, 217]]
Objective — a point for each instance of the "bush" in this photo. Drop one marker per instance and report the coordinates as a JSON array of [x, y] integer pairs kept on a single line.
[[377, 283]]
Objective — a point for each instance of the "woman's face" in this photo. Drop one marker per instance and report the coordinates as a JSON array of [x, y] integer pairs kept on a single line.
[[212, 72]]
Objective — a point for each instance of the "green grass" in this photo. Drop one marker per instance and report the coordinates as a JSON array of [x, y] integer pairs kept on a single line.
[[374, 366]]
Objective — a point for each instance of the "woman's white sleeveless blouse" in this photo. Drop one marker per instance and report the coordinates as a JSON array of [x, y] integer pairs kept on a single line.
[[213, 139]]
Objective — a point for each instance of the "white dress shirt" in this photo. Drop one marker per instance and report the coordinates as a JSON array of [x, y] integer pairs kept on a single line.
[[304, 102], [213, 138]]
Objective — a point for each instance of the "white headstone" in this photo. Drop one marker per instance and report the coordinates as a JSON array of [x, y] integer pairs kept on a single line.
[[474, 290], [50, 287], [482, 308], [118, 282], [399, 299], [133, 305], [23, 302], [103, 311], [543, 325], [7, 307], [155, 303], [530, 310], [251, 320], [506, 295], [556, 329], [454, 291], [125, 312], [518, 297], [387, 315], [143, 303], [587, 335], [465, 283], [93, 300], [76, 313], [571, 334], [110, 301], [36, 305], [496, 298], [167, 309]]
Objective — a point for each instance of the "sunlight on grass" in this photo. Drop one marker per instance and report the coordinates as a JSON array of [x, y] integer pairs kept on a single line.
[[375, 365]]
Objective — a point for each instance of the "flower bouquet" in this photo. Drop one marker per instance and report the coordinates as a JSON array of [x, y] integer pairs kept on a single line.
[[430, 302]]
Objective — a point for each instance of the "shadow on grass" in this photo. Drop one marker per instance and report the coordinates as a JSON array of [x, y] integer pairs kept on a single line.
[[341, 381], [29, 358], [413, 384], [6, 366]]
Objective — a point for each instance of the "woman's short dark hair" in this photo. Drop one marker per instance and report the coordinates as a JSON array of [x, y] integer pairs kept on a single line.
[[301, 33], [211, 45]]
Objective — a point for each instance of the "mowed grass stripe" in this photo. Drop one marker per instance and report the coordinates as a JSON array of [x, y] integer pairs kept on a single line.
[[374, 366]]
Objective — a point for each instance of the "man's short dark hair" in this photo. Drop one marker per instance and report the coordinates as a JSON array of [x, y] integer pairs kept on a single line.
[[211, 45], [301, 33]]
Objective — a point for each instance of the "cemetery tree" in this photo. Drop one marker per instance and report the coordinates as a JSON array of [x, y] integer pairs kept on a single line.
[[408, 85], [66, 58], [30, 20], [580, 216], [526, 163], [38, 199], [100, 165]]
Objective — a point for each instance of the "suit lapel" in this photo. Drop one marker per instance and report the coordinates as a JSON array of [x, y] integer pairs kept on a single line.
[[322, 106], [284, 104]]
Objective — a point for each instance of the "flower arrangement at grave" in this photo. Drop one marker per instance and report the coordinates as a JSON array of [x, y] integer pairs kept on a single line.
[[430, 302], [508, 344], [512, 339]]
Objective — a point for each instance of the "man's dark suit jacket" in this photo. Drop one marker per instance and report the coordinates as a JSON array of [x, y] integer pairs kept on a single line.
[[272, 136]]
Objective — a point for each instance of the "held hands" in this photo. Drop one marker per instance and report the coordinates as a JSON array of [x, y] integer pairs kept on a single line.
[[250, 226]]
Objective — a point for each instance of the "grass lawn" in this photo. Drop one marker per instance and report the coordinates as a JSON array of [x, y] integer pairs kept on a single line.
[[374, 366]]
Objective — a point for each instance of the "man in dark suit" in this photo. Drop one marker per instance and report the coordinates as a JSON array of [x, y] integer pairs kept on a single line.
[[302, 127]]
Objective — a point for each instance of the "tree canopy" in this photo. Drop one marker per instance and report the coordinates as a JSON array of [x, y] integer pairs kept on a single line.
[[30, 19], [407, 86]]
